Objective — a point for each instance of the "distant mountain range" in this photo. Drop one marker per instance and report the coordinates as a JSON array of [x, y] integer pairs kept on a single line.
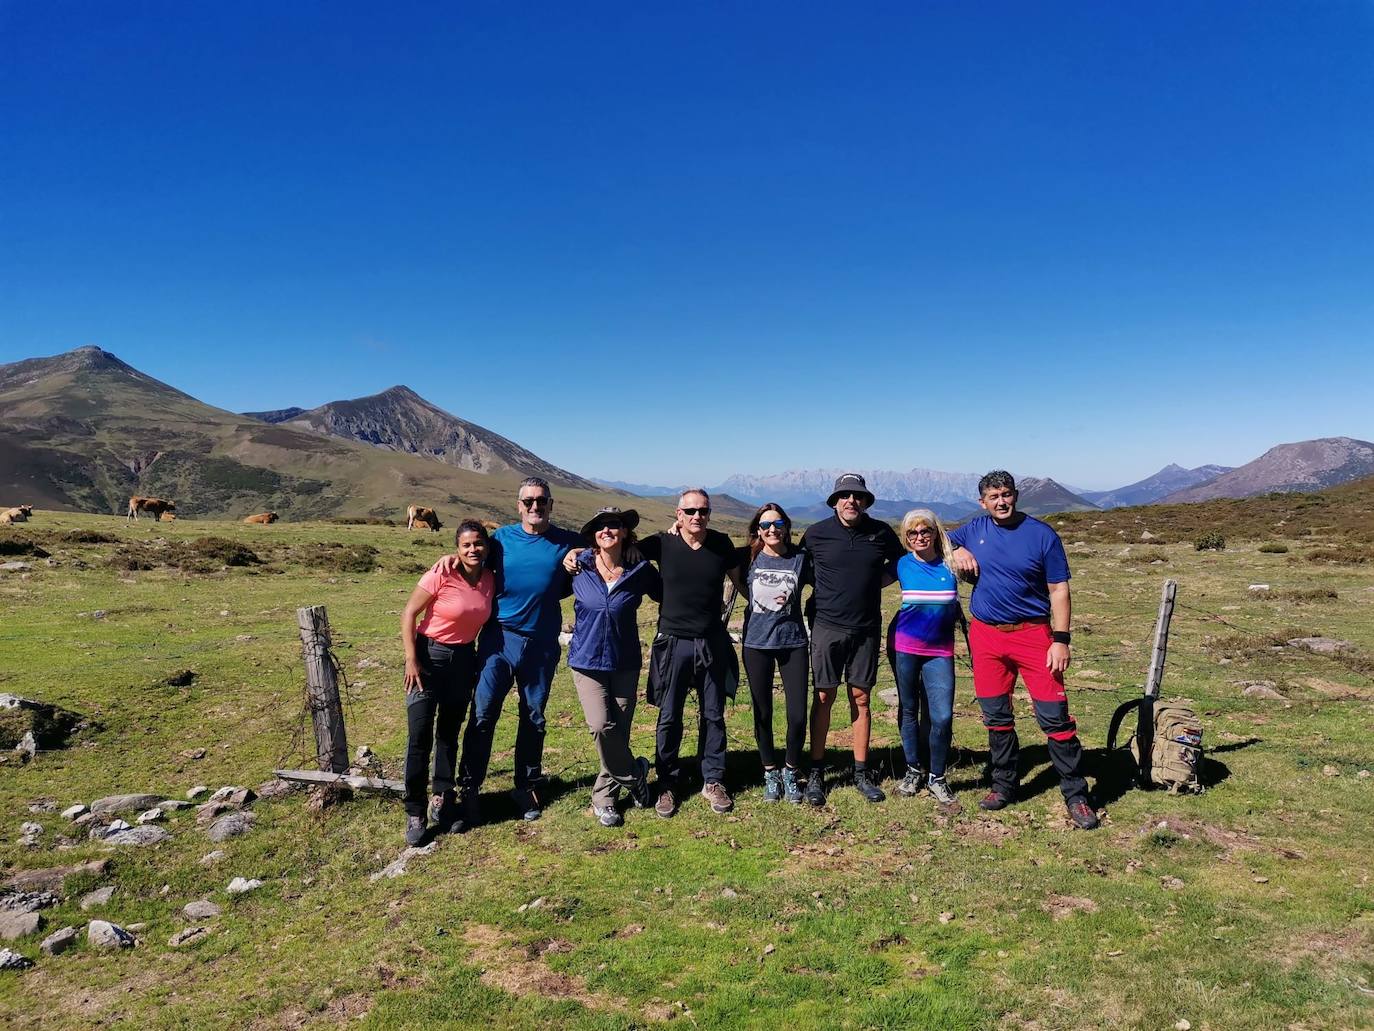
[[1306, 465], [1143, 492]]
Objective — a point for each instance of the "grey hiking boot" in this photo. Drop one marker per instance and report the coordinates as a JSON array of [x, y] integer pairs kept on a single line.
[[442, 810], [639, 792], [863, 783], [772, 786], [940, 791], [415, 830], [912, 783], [608, 817], [720, 799], [527, 803], [791, 790], [815, 786], [1083, 815], [666, 805]]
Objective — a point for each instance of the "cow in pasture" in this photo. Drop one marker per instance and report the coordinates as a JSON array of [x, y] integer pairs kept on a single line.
[[418, 514], [167, 517], [262, 517], [17, 514], [153, 506]]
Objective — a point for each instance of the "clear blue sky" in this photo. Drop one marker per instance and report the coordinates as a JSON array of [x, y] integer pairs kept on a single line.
[[671, 242]]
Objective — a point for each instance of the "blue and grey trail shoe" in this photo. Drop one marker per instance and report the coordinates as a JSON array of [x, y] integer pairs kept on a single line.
[[791, 790], [415, 830], [772, 786]]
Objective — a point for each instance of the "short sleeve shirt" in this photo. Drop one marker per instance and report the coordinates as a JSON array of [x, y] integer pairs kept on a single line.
[[692, 580], [458, 610], [1016, 565], [849, 564], [774, 615], [930, 606]]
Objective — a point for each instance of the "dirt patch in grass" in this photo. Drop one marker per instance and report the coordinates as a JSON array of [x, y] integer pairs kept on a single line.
[[1169, 831], [87, 537], [1061, 907], [19, 545], [513, 970], [986, 831], [1338, 692], [202, 555], [1327, 949], [336, 558]]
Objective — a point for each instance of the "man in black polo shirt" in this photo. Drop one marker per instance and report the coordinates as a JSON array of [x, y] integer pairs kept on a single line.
[[692, 649], [850, 552]]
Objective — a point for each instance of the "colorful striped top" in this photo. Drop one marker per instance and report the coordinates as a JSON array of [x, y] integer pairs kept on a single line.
[[930, 604]]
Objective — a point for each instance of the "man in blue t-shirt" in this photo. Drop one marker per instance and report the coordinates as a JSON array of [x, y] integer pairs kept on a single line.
[[1021, 609], [519, 646]]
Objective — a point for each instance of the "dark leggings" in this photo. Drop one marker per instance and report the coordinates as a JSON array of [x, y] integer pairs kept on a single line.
[[759, 664], [433, 716]]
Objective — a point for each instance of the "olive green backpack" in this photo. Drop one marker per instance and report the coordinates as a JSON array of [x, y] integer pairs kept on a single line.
[[1167, 744]]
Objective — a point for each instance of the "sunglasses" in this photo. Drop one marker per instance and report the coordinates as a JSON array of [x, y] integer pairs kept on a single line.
[[610, 524], [695, 511], [849, 496], [924, 531], [772, 524], [534, 502]]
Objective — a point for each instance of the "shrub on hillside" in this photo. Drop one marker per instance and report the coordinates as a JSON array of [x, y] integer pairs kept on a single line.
[[1274, 549], [361, 521], [21, 546], [1144, 558], [229, 553], [1211, 541], [1340, 556], [340, 558]]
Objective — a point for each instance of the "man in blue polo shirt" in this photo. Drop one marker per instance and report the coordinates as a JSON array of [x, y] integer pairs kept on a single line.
[[520, 646], [1021, 610]]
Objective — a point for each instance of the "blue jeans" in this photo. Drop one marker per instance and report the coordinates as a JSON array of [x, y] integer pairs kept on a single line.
[[925, 693], [505, 658]]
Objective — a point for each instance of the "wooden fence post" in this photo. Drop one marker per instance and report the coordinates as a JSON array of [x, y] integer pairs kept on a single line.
[[1161, 647], [322, 690]]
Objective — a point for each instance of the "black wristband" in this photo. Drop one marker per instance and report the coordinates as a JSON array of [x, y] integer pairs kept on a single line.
[[1061, 636]]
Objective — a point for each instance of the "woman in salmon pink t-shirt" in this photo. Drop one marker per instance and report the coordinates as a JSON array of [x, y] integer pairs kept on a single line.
[[440, 673]]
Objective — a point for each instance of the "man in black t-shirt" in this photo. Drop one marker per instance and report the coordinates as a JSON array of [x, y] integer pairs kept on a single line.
[[692, 650], [850, 553]]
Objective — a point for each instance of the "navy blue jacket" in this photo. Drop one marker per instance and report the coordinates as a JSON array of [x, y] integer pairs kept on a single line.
[[605, 632]]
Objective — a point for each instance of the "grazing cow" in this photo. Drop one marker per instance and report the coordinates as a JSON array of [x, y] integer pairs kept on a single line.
[[262, 517], [425, 517], [153, 506]]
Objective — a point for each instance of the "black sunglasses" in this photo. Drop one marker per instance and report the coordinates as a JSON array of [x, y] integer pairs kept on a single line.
[[534, 502], [776, 524], [610, 524], [849, 496], [694, 511]]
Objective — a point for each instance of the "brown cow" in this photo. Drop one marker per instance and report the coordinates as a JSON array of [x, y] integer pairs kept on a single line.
[[419, 514], [167, 517], [153, 506], [18, 514], [262, 517]]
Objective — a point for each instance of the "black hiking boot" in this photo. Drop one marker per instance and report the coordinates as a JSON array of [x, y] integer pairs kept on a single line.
[[863, 783], [1083, 815], [815, 786]]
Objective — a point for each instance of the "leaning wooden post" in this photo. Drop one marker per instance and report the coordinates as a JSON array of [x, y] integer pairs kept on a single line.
[[1161, 647], [322, 690]]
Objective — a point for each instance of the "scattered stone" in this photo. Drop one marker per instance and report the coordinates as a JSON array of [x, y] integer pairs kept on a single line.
[[1258, 588], [1260, 880], [212, 811], [74, 811], [43, 805], [211, 858], [19, 925], [276, 788], [104, 935], [26, 901], [1061, 907], [244, 637], [27, 746], [729, 893], [137, 928], [1261, 689], [10, 960], [243, 885], [99, 614], [946, 917], [1330, 771], [193, 753], [397, 867], [1182, 1025], [769, 949], [153, 815], [138, 837], [1172, 883], [15, 567], [1363, 775], [186, 937], [113, 827], [234, 795], [171, 805], [83, 819], [1146, 535], [58, 942], [230, 826], [123, 804], [30, 832], [196, 792], [99, 897], [1319, 645], [51, 878], [888, 696], [201, 909]]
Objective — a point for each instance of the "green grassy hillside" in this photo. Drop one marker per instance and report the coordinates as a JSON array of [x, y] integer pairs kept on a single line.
[[1247, 907]]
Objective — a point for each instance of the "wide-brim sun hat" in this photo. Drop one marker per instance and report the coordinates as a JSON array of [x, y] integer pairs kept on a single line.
[[846, 483], [629, 517]]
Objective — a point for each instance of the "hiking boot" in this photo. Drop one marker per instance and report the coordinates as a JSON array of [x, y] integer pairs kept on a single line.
[[791, 790], [815, 786], [469, 816], [527, 803], [772, 786], [666, 806], [608, 817], [940, 791], [441, 812], [415, 830], [720, 799], [1084, 817], [639, 791], [912, 783], [993, 801], [863, 783]]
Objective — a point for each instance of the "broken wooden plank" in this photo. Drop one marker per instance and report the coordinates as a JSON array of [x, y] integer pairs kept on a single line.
[[346, 779]]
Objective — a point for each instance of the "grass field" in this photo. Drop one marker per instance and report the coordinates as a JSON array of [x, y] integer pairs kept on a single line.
[[1247, 907]]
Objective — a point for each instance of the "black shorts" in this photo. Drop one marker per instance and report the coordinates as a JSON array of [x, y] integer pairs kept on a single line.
[[843, 657]]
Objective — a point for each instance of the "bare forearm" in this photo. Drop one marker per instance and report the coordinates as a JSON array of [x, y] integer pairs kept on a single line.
[[1061, 608]]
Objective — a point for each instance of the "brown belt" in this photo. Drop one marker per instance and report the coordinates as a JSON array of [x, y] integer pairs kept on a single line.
[[1007, 628]]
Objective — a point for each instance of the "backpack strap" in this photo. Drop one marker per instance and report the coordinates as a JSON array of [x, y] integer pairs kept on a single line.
[[1117, 718]]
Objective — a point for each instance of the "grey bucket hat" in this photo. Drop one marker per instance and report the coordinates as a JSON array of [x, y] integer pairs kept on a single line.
[[846, 482], [629, 517]]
